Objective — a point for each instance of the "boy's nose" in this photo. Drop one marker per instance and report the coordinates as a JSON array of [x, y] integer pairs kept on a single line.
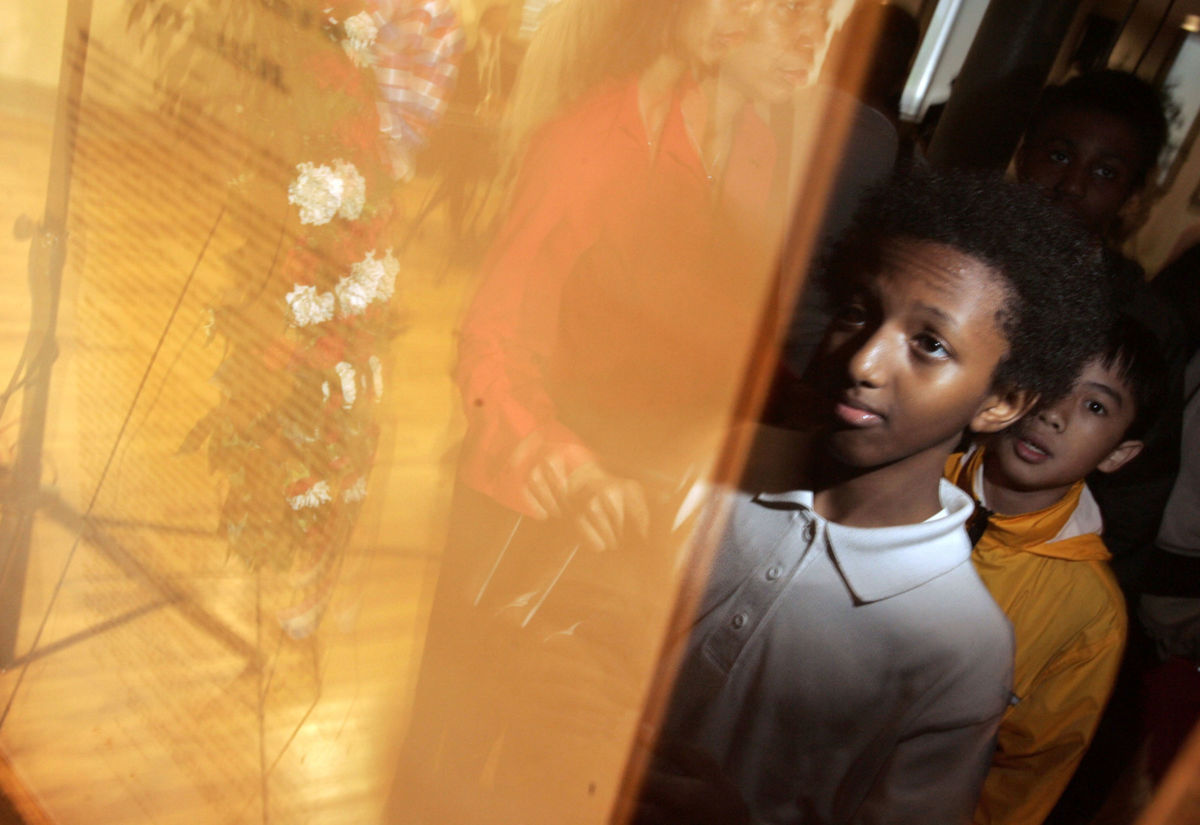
[[1054, 417], [1072, 182], [869, 364]]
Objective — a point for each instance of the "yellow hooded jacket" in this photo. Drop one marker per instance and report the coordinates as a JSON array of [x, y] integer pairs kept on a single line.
[[1048, 571]]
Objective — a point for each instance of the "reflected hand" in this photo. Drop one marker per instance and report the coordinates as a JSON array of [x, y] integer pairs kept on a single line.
[[564, 480], [547, 487], [606, 506]]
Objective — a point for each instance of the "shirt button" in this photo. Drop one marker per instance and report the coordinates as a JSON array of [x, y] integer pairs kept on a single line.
[[773, 573], [810, 530], [738, 621]]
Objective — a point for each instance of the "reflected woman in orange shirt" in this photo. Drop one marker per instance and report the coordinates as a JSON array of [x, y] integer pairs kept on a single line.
[[599, 364], [605, 336]]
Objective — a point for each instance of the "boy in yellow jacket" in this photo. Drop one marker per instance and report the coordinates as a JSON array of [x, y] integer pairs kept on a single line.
[[1041, 556]]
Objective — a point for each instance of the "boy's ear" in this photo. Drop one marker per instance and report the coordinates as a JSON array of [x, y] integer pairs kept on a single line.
[[1121, 455], [1131, 210], [1022, 154], [1002, 408]]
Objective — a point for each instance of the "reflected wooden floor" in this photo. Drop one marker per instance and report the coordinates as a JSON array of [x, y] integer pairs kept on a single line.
[[152, 685]]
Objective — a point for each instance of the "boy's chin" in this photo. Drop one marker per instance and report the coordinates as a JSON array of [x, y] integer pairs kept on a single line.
[[846, 448], [852, 450], [1018, 479]]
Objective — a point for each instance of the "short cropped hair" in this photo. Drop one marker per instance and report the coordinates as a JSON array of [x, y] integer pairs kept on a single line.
[[1134, 353], [1120, 94], [1058, 294]]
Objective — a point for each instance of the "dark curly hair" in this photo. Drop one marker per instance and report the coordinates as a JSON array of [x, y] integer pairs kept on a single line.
[[1059, 295], [1117, 93]]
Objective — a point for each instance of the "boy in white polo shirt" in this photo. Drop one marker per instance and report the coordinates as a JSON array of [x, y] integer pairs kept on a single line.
[[847, 664]]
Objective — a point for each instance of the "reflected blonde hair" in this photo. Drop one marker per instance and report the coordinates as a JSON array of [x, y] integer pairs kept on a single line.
[[578, 45]]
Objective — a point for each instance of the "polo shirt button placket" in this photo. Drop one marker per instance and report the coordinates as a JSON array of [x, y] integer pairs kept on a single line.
[[810, 531]]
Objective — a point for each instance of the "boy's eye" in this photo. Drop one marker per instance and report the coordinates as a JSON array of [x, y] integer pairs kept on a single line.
[[1105, 172], [1058, 156], [851, 315], [930, 346], [1095, 408]]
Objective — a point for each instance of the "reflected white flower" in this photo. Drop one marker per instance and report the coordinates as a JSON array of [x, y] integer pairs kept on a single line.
[[376, 376], [210, 324], [353, 295], [314, 496], [361, 32], [300, 624], [317, 190], [371, 273], [354, 193], [310, 307], [323, 192], [298, 436], [356, 491], [369, 280], [349, 392], [391, 268], [324, 392]]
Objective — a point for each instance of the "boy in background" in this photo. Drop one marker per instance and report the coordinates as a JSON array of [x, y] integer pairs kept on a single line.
[[847, 664], [1042, 558], [1091, 146]]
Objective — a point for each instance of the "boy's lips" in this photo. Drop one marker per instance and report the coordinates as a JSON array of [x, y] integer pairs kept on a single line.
[[1030, 450], [856, 414]]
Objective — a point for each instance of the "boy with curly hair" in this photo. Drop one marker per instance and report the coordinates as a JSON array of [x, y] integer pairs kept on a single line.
[[847, 664]]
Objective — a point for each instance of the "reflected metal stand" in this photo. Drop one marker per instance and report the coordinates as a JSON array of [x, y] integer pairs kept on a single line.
[[46, 257], [25, 498]]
